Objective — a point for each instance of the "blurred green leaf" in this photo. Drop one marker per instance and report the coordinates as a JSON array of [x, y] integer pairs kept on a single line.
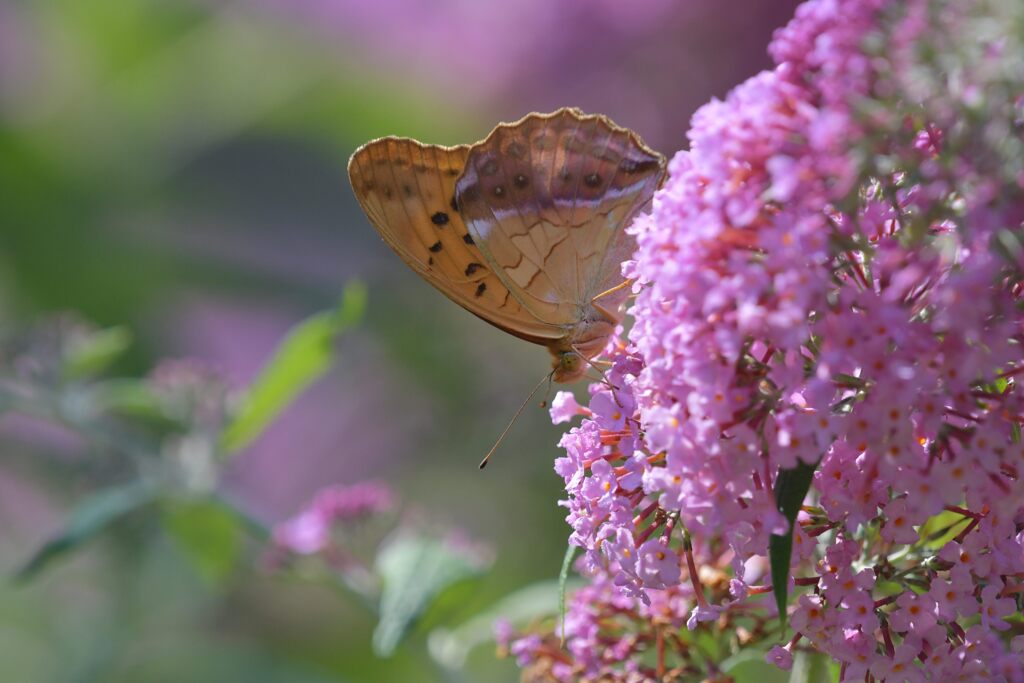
[[208, 534], [791, 488], [563, 577], [942, 528], [750, 666], [414, 570], [91, 354], [812, 667], [132, 398], [86, 520], [306, 353], [451, 647]]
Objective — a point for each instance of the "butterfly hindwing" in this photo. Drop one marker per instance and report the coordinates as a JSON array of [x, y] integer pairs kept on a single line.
[[547, 200], [407, 190]]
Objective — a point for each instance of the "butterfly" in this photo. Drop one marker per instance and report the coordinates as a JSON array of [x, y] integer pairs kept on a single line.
[[525, 229]]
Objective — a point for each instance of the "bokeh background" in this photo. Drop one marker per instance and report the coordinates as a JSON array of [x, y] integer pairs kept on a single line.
[[177, 167]]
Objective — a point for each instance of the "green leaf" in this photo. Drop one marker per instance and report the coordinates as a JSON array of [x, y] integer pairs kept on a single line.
[[86, 520], [208, 534], [132, 398], [563, 577], [414, 570], [791, 488], [812, 667], [306, 353], [750, 666], [92, 353], [451, 647]]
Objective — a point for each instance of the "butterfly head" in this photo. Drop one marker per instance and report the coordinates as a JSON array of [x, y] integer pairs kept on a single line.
[[569, 366]]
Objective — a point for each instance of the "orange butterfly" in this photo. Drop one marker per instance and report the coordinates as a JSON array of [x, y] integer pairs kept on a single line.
[[525, 229]]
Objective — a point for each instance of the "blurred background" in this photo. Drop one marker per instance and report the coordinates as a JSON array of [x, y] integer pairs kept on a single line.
[[176, 168]]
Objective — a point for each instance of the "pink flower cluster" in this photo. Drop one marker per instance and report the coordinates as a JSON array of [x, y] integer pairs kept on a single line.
[[612, 636], [312, 530], [832, 275]]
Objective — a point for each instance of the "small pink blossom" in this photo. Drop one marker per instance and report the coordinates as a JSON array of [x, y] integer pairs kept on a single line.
[[564, 407], [780, 657]]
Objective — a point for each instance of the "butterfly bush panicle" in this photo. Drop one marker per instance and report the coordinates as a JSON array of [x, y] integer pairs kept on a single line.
[[832, 275]]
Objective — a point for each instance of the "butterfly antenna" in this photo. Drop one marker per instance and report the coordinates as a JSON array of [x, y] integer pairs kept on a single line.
[[544, 403], [546, 378]]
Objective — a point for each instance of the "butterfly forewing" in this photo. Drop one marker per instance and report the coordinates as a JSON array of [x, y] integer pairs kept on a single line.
[[547, 200], [407, 190]]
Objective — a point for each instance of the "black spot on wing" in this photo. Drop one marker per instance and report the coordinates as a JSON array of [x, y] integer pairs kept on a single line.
[[472, 268], [439, 218], [481, 288], [468, 239], [435, 247]]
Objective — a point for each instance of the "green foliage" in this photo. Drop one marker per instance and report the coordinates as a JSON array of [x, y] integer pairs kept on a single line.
[[813, 667], [563, 577], [304, 356], [86, 520], [791, 488], [208, 534], [91, 354], [942, 528], [131, 398], [415, 570], [749, 666], [451, 646]]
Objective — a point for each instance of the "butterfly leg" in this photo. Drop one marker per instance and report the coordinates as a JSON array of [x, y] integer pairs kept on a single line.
[[608, 292], [594, 364], [617, 288]]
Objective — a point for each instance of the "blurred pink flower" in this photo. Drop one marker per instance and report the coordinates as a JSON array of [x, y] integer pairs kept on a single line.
[[310, 531]]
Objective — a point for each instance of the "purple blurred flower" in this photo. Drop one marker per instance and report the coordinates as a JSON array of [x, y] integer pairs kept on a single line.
[[522, 55], [311, 530]]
